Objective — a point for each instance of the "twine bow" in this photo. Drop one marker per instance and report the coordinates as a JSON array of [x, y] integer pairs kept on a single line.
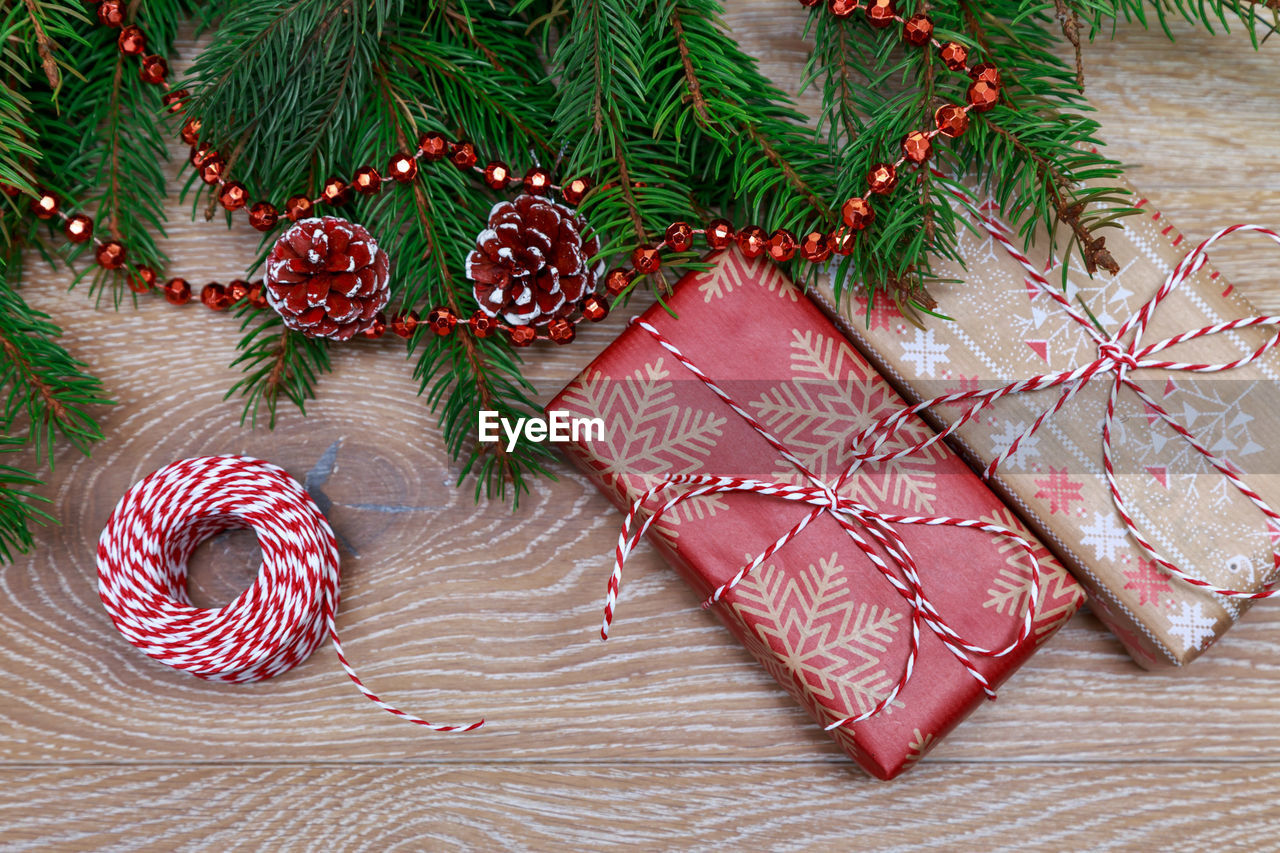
[[1118, 354], [854, 517]]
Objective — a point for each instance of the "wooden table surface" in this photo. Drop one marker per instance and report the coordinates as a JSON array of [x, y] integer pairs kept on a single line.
[[669, 736]]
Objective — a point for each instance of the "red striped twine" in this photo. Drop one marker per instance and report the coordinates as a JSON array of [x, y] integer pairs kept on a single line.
[[269, 628]]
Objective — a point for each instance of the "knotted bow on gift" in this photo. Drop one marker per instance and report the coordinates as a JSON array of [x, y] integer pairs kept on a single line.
[[1118, 354], [853, 516]]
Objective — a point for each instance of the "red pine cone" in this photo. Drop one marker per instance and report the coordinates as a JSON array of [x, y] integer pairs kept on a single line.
[[327, 278], [531, 265]]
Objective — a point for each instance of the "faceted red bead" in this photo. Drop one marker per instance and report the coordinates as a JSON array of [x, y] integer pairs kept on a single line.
[[379, 327], [214, 296], [45, 205], [857, 213], [595, 308], [843, 8], [809, 4], [111, 255], [175, 100], [462, 154], [719, 234], [842, 242], [233, 196], [442, 320], [815, 247], [753, 240], [954, 55], [153, 69], [537, 181], [576, 190], [917, 146], [482, 325], [211, 170], [986, 72], [782, 245], [882, 178], [237, 290], [404, 324], [617, 281], [132, 42], [433, 146], [522, 336], [561, 331], [191, 131], [367, 181], [111, 13], [264, 216], [881, 13], [917, 30], [680, 236], [143, 279], [298, 207], [952, 120], [647, 260], [496, 175], [200, 154], [336, 192], [983, 96], [402, 168], [78, 228], [258, 295], [177, 291]]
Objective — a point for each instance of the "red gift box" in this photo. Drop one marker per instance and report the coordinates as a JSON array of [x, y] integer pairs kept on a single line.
[[832, 627]]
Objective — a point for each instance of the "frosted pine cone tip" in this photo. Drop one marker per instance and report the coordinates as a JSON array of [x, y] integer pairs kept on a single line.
[[533, 263], [327, 278]]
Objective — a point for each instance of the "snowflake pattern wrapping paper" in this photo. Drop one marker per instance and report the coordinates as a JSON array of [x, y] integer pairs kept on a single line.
[[1004, 328], [817, 615]]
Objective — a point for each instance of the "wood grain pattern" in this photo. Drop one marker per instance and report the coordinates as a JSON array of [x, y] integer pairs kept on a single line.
[[668, 736]]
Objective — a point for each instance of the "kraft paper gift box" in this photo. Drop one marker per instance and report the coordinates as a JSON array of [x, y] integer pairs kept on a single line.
[[1005, 327], [817, 614]]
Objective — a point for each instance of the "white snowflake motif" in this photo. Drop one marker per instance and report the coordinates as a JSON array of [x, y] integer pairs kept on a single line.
[[1107, 536], [925, 352], [1028, 448], [1191, 625]]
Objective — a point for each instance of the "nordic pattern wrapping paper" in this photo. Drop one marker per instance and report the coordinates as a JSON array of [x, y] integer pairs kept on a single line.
[[817, 615], [1003, 328]]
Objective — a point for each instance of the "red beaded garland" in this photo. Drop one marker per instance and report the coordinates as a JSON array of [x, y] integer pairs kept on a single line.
[[954, 55], [45, 205], [263, 216], [917, 30], [986, 72], [816, 247], [561, 331], [842, 242], [238, 289], [983, 96], [522, 336], [719, 234], [617, 281], [379, 327], [298, 207], [367, 181], [882, 178], [679, 236], [595, 308], [153, 69], [111, 255], [141, 281], [175, 101], [857, 213], [335, 192], [646, 260], [258, 295], [404, 324], [917, 146], [78, 228], [131, 41], [442, 320], [214, 296], [402, 168], [482, 325], [537, 181], [496, 175], [843, 8], [576, 190], [881, 13], [782, 245], [753, 240], [111, 13], [191, 131], [233, 196], [433, 146], [462, 155], [211, 170], [177, 291], [952, 120]]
